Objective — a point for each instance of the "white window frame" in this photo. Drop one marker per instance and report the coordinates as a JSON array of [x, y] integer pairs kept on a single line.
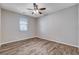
[[23, 21]]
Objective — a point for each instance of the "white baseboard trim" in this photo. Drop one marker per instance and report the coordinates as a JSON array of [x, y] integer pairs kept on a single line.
[[14, 41], [61, 42], [45, 39]]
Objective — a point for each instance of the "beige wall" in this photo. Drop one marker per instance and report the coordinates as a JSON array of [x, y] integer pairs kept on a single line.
[[60, 26], [0, 26], [10, 27]]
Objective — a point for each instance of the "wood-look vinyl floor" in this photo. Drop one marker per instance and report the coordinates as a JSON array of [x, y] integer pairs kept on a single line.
[[37, 46]]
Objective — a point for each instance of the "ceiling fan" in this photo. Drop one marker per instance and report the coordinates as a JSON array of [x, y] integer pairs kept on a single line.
[[36, 10]]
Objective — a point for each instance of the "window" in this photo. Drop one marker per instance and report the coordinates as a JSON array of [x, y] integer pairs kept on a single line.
[[23, 23]]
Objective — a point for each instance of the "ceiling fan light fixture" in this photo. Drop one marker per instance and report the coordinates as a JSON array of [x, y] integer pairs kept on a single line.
[[36, 11]]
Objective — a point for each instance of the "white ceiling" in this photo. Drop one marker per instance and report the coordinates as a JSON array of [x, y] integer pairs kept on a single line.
[[22, 7]]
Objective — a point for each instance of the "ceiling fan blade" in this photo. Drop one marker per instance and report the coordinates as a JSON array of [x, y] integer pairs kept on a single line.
[[40, 12], [42, 9], [32, 12], [29, 9]]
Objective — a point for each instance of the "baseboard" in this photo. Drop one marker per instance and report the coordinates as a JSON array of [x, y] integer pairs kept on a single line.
[[8, 43], [60, 42]]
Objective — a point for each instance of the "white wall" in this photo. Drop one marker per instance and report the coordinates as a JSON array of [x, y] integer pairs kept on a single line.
[[10, 27], [78, 25], [0, 26], [60, 26]]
